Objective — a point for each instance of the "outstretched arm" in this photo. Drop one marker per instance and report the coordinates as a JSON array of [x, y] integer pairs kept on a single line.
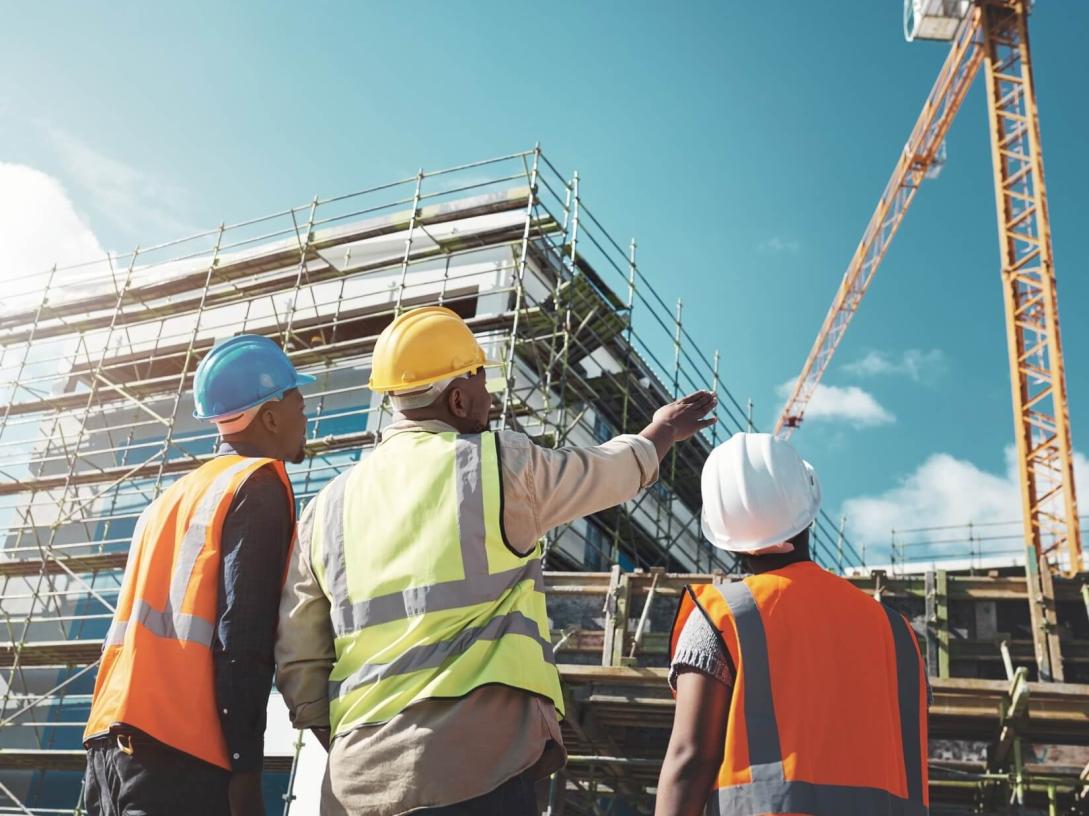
[[546, 487]]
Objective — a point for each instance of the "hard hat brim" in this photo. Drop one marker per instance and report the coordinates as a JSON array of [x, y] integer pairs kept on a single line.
[[772, 544], [300, 380], [382, 388]]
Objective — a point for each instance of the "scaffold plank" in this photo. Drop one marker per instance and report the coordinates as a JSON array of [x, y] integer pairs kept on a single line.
[[961, 587], [43, 653], [257, 264], [963, 708], [312, 355], [63, 564]]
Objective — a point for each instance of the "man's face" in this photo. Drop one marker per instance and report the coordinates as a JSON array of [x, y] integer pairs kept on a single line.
[[477, 402]]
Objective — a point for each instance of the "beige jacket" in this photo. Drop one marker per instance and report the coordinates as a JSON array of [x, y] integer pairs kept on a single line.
[[440, 752]]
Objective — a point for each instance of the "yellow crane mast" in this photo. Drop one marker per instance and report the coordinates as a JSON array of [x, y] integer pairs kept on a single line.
[[994, 33]]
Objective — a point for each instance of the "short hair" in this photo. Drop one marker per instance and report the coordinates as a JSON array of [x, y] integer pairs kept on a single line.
[[800, 540]]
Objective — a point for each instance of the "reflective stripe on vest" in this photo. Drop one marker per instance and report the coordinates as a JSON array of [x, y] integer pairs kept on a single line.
[[157, 673], [479, 586], [170, 622], [394, 648], [770, 792], [433, 655]]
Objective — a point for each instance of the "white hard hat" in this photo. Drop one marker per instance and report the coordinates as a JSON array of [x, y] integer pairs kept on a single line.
[[757, 493]]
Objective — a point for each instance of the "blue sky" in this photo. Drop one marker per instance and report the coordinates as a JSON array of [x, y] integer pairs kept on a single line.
[[743, 144]]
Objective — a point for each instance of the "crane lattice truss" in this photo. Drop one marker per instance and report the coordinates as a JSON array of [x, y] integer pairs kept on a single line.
[[995, 33]]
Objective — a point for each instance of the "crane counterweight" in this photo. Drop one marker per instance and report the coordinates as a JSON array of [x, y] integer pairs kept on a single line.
[[934, 19]]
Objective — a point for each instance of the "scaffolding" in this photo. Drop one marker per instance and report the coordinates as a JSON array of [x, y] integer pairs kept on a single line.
[[96, 365], [974, 545]]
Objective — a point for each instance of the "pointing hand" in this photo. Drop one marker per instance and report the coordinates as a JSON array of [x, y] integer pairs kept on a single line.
[[680, 420]]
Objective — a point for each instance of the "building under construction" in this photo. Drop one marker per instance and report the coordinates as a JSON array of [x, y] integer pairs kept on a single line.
[[96, 366]]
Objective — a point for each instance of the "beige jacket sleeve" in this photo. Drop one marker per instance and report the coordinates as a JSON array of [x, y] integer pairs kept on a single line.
[[544, 487], [304, 639]]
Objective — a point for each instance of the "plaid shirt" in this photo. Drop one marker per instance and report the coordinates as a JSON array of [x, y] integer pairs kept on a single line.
[[255, 542]]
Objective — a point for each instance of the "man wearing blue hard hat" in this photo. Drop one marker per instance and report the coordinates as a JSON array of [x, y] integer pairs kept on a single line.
[[178, 716]]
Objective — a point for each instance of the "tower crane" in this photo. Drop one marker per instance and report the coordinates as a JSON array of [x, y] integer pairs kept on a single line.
[[993, 33]]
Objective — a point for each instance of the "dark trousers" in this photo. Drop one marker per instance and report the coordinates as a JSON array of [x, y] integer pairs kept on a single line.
[[154, 780], [515, 797]]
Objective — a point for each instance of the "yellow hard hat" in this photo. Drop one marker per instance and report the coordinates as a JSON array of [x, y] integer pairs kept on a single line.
[[423, 346]]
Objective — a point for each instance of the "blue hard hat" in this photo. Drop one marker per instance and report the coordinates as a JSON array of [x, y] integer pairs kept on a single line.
[[242, 372]]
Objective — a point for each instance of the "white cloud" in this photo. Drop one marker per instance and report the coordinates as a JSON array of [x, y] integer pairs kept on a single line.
[[847, 404], [127, 196], [41, 227], [916, 364], [945, 491], [777, 245]]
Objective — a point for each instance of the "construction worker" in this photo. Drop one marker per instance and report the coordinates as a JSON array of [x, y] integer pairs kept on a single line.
[[413, 622], [178, 715], [796, 692]]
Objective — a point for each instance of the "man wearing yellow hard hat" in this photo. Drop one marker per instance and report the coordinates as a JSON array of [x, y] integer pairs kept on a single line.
[[413, 632]]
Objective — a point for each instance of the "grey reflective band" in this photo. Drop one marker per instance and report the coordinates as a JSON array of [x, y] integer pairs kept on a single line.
[[433, 655], [351, 617], [765, 755], [477, 587], [332, 537], [907, 676], [759, 798], [470, 504], [196, 533], [770, 792], [170, 622], [304, 529], [116, 635], [166, 624], [138, 530]]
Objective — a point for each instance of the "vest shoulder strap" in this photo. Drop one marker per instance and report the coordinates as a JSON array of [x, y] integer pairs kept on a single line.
[[209, 486], [765, 754]]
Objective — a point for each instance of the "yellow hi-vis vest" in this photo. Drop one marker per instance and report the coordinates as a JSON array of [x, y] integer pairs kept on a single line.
[[428, 600]]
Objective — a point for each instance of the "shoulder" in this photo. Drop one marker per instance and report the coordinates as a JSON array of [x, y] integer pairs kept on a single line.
[[515, 450], [700, 648], [512, 439], [264, 482], [262, 494], [267, 474]]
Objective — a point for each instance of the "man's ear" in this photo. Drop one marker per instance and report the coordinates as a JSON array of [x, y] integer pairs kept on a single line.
[[268, 418], [455, 401]]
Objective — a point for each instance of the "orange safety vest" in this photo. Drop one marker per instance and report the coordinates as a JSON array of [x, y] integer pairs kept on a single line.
[[828, 709], [156, 672]]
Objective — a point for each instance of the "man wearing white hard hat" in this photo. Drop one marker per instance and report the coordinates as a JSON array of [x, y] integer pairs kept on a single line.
[[796, 692]]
